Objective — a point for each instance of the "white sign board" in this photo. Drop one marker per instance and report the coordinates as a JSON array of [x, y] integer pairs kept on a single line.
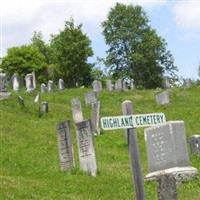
[[132, 121]]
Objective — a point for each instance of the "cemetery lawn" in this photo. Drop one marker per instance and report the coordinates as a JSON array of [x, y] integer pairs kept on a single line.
[[29, 163]]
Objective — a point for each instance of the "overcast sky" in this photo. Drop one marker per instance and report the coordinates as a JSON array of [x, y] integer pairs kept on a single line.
[[176, 21]]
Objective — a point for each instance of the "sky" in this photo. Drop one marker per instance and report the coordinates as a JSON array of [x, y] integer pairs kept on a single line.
[[178, 22]]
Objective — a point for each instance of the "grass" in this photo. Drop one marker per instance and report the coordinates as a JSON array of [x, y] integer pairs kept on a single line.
[[29, 167]]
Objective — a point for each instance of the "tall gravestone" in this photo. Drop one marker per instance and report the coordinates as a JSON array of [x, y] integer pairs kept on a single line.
[[119, 85], [61, 85], [109, 85], [91, 97], [43, 88], [15, 82], [4, 94], [97, 86], [86, 150], [34, 80], [50, 86], [95, 118], [65, 146], [76, 110], [195, 144], [162, 98], [29, 82]]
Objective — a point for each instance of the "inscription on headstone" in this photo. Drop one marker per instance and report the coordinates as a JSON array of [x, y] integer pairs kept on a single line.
[[86, 151], [95, 118], [76, 110], [162, 98], [65, 146], [91, 97]]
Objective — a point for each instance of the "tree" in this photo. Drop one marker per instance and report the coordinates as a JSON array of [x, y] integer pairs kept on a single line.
[[71, 49], [23, 60], [135, 50]]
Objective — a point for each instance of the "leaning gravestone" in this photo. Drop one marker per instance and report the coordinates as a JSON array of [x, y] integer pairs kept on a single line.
[[91, 97], [61, 85], [29, 82], [97, 86], [43, 88], [50, 86], [109, 86], [4, 94], [95, 118], [195, 144], [65, 146], [15, 82], [86, 151], [162, 98], [76, 110], [119, 85]]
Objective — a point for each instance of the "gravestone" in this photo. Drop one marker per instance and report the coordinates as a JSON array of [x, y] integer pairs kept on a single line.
[[37, 98], [132, 86], [195, 144], [34, 80], [76, 110], [61, 85], [91, 97], [119, 85], [162, 98], [50, 86], [4, 94], [109, 86], [95, 118], [43, 88], [15, 82], [21, 101], [44, 107], [29, 82], [86, 150], [97, 86], [65, 146]]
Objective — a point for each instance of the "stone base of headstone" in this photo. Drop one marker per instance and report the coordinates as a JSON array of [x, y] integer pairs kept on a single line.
[[195, 144], [4, 95]]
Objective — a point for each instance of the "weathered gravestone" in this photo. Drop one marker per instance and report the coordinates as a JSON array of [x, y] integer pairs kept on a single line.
[[109, 85], [29, 82], [119, 85], [97, 86], [167, 151], [162, 98], [44, 107], [86, 150], [4, 94], [91, 97], [50, 86], [61, 85], [95, 118], [195, 144], [65, 146], [15, 82], [43, 88], [76, 110]]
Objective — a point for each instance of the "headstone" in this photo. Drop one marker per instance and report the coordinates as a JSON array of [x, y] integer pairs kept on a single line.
[[91, 97], [132, 86], [37, 98], [195, 144], [61, 85], [86, 150], [29, 82], [21, 101], [119, 85], [44, 107], [15, 82], [65, 146], [166, 146], [4, 94], [43, 88], [109, 86], [34, 80], [166, 83], [97, 86], [76, 110], [50, 86], [95, 118], [162, 98]]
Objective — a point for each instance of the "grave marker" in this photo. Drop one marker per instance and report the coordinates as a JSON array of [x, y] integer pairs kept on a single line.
[[44, 107], [162, 98], [4, 94], [97, 86], [109, 85], [91, 97], [15, 82], [29, 82], [76, 110], [119, 85], [61, 84], [195, 144], [95, 118], [43, 88], [50, 86]]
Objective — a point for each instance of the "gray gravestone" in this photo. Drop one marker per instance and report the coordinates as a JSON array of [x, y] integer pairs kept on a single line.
[[76, 110], [119, 85], [4, 94], [97, 86], [95, 118], [91, 97], [44, 107], [61, 85], [109, 86], [195, 144], [43, 88], [15, 82], [65, 146], [34, 80], [162, 98], [50, 86], [86, 151], [29, 82], [166, 146]]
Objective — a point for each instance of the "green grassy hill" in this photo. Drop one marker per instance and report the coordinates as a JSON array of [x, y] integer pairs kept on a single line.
[[30, 168]]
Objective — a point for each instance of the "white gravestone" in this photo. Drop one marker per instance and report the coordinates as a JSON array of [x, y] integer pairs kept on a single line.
[[61, 85], [162, 98], [95, 118], [97, 86], [44, 107], [43, 88], [50, 86], [65, 146], [86, 150], [109, 85], [91, 97], [29, 82], [34, 80], [76, 110], [15, 83], [167, 151]]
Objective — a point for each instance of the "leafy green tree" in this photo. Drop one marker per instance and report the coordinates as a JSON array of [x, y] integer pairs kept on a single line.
[[71, 49], [23, 60], [135, 50]]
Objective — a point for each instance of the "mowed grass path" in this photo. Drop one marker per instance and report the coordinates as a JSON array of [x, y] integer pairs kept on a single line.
[[29, 163]]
